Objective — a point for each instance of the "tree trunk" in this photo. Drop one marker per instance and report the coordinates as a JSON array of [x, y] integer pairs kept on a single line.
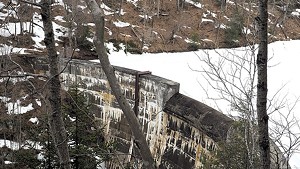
[[56, 123], [262, 85], [139, 137]]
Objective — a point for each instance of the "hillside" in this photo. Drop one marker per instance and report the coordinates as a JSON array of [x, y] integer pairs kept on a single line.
[[148, 26], [135, 27]]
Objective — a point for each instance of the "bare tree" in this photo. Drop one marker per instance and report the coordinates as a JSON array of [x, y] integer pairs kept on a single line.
[[232, 76], [139, 138], [285, 133], [56, 122], [262, 84], [71, 12], [261, 99]]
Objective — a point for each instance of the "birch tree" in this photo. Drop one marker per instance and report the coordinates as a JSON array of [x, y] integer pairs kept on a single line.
[[139, 138]]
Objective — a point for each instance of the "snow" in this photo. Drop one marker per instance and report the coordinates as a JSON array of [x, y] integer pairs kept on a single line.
[[4, 99], [106, 9], [5, 49], [10, 29], [208, 14], [92, 24], [15, 145], [207, 40], [177, 36], [58, 2], [122, 12], [13, 28], [187, 40], [38, 31], [168, 64], [72, 119], [226, 18], [108, 31], [41, 156], [145, 16], [59, 18], [246, 31], [16, 108], [206, 20], [32, 144], [81, 7], [34, 120], [134, 2], [296, 12], [121, 24], [9, 144], [125, 35], [38, 102], [196, 4], [230, 2], [8, 162], [176, 66], [223, 26], [1, 5]]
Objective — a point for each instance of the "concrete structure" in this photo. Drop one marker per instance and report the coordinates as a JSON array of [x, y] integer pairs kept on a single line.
[[180, 131]]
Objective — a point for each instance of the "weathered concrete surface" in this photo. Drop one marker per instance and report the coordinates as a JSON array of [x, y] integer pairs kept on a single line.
[[171, 121], [196, 124], [199, 115], [180, 131]]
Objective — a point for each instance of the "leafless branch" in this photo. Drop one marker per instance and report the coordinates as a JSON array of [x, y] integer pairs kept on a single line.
[[31, 3]]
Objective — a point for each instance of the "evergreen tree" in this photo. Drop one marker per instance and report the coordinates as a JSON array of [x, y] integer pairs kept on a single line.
[[232, 153], [50, 158], [86, 140]]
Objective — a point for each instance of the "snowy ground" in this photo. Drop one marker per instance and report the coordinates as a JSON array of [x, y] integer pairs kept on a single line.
[[284, 67]]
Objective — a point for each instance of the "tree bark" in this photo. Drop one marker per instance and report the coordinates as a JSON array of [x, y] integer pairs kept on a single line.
[[56, 123], [135, 126], [262, 85]]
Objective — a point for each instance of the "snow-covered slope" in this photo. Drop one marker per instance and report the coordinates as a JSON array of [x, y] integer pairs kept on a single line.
[[283, 71]]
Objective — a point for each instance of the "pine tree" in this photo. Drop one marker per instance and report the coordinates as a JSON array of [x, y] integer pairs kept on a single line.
[[232, 153], [86, 140]]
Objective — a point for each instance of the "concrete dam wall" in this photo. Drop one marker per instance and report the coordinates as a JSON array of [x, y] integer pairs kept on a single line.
[[180, 131]]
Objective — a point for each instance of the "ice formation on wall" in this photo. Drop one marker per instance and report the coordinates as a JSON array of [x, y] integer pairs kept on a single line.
[[167, 135]]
